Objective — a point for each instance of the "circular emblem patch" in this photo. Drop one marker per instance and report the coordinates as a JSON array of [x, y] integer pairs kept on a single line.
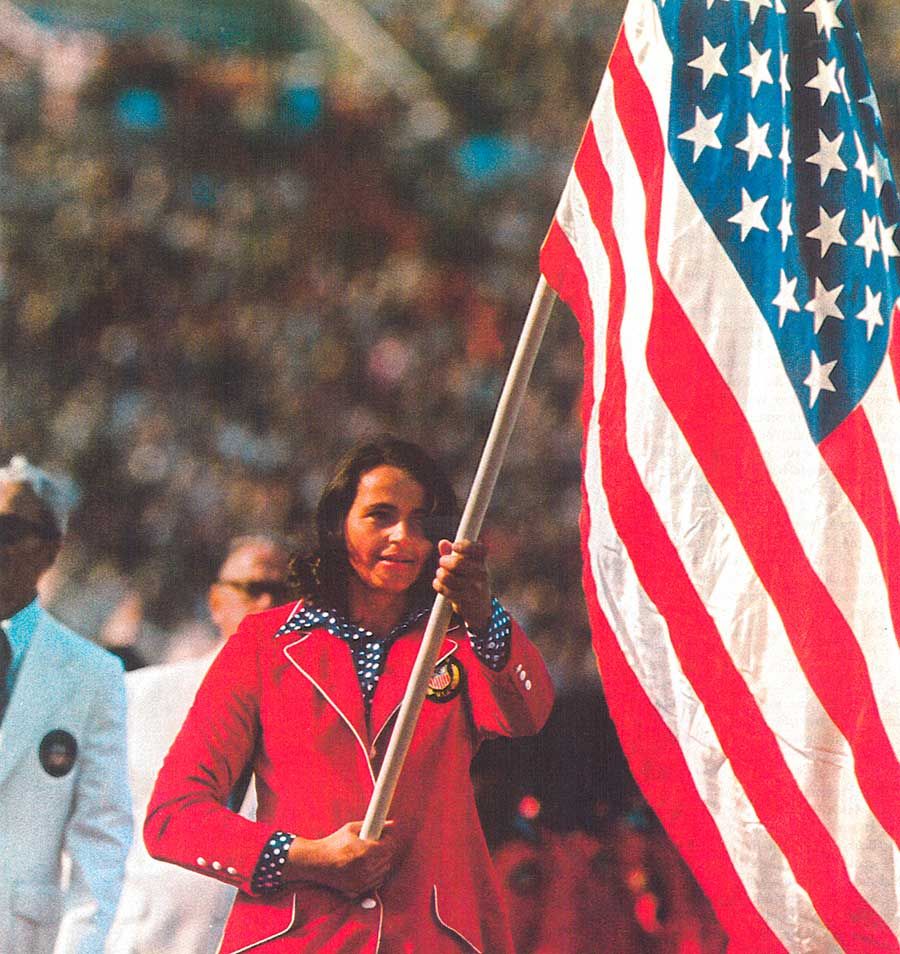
[[446, 681], [57, 752]]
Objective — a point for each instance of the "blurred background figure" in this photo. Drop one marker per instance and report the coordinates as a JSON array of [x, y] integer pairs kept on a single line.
[[165, 910], [583, 863], [64, 802], [564, 895], [252, 578], [121, 630], [620, 888]]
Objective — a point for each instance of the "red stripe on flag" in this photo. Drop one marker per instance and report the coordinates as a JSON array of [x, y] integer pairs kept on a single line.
[[746, 739], [852, 454], [653, 751], [563, 271]]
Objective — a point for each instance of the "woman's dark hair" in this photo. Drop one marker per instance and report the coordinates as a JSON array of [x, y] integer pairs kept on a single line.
[[320, 577]]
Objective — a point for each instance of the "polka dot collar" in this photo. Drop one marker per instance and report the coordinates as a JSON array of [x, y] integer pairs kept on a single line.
[[311, 617], [369, 651]]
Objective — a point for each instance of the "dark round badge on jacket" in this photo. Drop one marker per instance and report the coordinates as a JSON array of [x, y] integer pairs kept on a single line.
[[57, 752], [446, 682]]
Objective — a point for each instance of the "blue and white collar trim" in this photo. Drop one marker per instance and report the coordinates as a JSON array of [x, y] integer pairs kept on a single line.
[[369, 651], [312, 617]]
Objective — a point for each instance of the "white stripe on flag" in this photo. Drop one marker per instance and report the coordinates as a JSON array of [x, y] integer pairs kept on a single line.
[[645, 638], [883, 411]]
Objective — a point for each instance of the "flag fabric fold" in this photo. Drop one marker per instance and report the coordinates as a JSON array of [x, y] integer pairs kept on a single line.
[[727, 241]]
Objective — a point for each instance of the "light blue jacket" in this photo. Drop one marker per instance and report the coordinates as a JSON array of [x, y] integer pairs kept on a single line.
[[65, 809]]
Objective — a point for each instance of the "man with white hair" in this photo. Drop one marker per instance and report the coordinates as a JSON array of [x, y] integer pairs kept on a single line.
[[63, 778], [166, 910]]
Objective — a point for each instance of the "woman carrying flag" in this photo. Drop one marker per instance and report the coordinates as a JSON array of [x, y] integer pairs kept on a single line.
[[307, 694]]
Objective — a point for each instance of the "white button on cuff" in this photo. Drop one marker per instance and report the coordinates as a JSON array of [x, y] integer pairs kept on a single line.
[[368, 903], [528, 684], [523, 675], [201, 862], [231, 871], [217, 866]]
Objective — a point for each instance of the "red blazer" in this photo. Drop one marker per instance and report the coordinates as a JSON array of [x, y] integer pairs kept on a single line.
[[292, 707]]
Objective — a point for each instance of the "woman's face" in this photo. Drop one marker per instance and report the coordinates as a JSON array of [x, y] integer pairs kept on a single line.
[[385, 530]]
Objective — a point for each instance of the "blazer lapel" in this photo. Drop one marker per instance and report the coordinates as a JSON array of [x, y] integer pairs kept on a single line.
[[324, 661], [395, 678], [47, 678]]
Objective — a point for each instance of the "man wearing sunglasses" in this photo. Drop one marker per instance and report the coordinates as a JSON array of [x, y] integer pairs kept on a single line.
[[164, 909], [252, 578], [63, 779]]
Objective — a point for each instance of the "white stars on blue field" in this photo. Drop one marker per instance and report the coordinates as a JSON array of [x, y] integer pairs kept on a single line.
[[775, 129]]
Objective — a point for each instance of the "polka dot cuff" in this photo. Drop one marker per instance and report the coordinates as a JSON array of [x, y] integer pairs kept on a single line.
[[493, 647], [268, 876]]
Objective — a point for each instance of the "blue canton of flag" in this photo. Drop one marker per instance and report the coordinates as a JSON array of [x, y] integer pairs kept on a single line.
[[776, 131]]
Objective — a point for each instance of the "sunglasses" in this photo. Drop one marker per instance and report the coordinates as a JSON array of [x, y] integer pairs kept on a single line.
[[14, 529], [257, 588]]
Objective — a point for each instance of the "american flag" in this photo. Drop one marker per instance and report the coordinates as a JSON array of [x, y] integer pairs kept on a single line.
[[727, 240]]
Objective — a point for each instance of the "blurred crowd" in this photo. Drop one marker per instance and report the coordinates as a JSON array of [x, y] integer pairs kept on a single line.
[[584, 864], [220, 269], [220, 265]]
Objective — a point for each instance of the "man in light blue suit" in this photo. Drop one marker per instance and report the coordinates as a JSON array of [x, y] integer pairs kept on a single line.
[[65, 813]]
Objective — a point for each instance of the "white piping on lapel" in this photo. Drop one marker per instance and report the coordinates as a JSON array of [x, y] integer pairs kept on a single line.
[[272, 937], [292, 613], [380, 920], [330, 701], [443, 923], [396, 708]]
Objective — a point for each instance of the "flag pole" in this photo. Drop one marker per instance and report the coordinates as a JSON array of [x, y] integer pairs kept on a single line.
[[469, 528]]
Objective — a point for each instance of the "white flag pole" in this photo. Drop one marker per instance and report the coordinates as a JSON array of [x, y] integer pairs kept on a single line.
[[470, 526]]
